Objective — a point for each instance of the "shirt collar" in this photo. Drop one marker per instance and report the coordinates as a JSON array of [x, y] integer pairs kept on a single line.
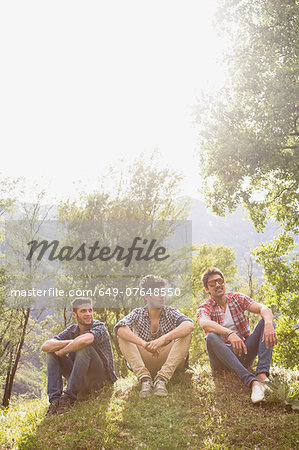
[[145, 308], [77, 329], [215, 304]]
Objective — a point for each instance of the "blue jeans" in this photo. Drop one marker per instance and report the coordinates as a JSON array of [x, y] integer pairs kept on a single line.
[[222, 356], [83, 368]]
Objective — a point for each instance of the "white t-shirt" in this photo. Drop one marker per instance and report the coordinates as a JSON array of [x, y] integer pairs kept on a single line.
[[228, 321]]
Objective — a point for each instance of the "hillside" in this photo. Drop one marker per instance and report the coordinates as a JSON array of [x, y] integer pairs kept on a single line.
[[199, 413], [233, 230]]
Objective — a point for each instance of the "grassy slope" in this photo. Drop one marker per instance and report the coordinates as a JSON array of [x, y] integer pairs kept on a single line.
[[199, 413]]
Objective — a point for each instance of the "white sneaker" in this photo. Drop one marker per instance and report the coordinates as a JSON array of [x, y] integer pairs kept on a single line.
[[257, 393]]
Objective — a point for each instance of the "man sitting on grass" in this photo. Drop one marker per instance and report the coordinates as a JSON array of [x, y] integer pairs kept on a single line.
[[82, 353], [229, 342], [154, 339]]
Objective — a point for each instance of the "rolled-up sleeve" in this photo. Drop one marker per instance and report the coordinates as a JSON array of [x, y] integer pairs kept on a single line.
[[128, 320], [244, 300], [179, 318], [203, 312], [100, 333]]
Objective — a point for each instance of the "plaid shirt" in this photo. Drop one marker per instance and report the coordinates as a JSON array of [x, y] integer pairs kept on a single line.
[[139, 322], [237, 304], [101, 343]]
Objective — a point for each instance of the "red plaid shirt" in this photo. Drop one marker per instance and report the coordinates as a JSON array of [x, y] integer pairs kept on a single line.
[[237, 304]]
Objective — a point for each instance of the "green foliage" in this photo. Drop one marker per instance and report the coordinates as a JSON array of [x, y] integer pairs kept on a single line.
[[281, 392], [20, 421], [141, 191], [210, 255], [286, 352], [249, 130], [281, 294], [28, 380], [16, 321], [7, 193], [197, 350]]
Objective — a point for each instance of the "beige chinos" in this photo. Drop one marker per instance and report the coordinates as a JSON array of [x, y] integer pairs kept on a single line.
[[171, 357]]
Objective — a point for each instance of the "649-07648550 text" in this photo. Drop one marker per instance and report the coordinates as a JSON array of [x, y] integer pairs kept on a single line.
[[101, 292]]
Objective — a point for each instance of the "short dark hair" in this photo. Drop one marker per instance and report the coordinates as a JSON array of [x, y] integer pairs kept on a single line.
[[207, 273], [78, 301], [152, 282]]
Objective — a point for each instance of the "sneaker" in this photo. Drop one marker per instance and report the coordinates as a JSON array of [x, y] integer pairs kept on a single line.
[[65, 404], [52, 408], [146, 388], [160, 387], [257, 393]]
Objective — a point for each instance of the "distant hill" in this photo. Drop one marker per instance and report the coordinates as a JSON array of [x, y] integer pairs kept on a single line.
[[234, 230]]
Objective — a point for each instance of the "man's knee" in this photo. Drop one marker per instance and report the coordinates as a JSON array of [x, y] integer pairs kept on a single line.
[[261, 324], [121, 341], [180, 346], [213, 339], [54, 363], [84, 352], [52, 358], [185, 339]]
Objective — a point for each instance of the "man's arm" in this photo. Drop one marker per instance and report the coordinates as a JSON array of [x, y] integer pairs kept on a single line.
[[269, 337], [52, 345], [127, 334], [210, 326], [181, 330], [79, 342]]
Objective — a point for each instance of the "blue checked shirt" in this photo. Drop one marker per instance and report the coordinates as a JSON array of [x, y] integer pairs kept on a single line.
[[139, 322], [101, 343]]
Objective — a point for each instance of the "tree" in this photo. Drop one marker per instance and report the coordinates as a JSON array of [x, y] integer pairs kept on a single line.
[[7, 193], [249, 140], [16, 322], [281, 293], [6, 317], [143, 192], [210, 255], [249, 130]]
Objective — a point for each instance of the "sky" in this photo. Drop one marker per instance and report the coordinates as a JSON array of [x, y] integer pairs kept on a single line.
[[84, 84]]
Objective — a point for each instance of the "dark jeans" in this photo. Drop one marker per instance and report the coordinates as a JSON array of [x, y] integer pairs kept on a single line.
[[83, 369], [222, 356]]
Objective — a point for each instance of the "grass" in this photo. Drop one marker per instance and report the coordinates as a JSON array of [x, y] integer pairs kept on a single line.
[[199, 413]]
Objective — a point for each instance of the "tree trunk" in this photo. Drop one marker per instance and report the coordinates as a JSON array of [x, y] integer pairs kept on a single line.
[[11, 371]]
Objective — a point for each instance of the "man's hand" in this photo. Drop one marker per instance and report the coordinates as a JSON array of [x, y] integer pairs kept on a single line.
[[60, 352], [53, 345], [269, 336], [237, 343], [144, 344], [153, 346]]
